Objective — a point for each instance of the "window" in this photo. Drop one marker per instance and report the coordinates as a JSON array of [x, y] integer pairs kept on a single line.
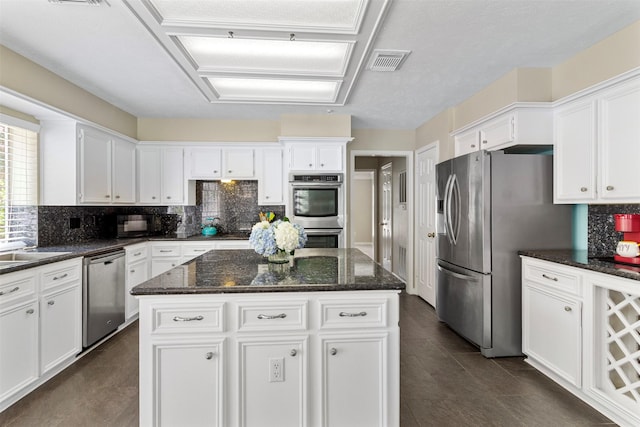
[[18, 184], [403, 187]]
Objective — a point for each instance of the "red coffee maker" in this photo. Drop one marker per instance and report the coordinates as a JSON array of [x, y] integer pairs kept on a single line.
[[629, 224]]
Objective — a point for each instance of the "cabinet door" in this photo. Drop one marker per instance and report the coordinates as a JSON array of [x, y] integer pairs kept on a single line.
[[552, 332], [188, 384], [60, 326], [172, 176], [329, 158], [124, 172], [497, 132], [149, 175], [18, 348], [302, 158], [204, 163], [271, 177], [161, 265], [466, 142], [95, 166], [619, 143], [575, 153], [238, 163], [273, 388], [137, 273], [353, 380]]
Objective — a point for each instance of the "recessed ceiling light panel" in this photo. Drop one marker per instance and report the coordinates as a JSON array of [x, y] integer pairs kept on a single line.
[[266, 56], [275, 90], [332, 16]]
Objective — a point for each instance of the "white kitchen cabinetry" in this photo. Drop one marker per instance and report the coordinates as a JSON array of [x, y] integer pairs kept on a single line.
[[580, 328], [315, 154], [164, 257], [596, 146], [320, 358], [123, 172], [220, 163], [137, 261], [40, 326], [518, 124], [271, 177], [161, 178], [233, 244]]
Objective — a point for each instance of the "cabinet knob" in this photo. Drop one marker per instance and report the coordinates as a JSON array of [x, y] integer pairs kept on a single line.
[[132, 271], [31, 311], [107, 196], [153, 197], [168, 197], [215, 171], [52, 302], [266, 197], [293, 353], [209, 355], [583, 189], [473, 145], [310, 165], [117, 197], [484, 141], [333, 351], [229, 171], [609, 187], [567, 308], [321, 165]]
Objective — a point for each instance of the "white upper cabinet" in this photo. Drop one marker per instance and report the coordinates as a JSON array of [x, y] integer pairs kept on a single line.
[[161, 175], [123, 172], [95, 166], [597, 147], [316, 154], [270, 177], [218, 163], [519, 124]]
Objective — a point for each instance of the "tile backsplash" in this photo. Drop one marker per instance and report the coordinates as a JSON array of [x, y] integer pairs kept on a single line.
[[602, 235], [235, 204]]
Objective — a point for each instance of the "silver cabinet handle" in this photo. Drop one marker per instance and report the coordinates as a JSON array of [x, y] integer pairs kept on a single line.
[[215, 171], [61, 277], [117, 197], [165, 250], [107, 196], [132, 271], [187, 319], [293, 352], [31, 311], [473, 145], [274, 316], [555, 279], [333, 351], [168, 197], [345, 314], [52, 302], [567, 308], [11, 291], [137, 254], [209, 355], [583, 189], [609, 187], [484, 141], [153, 197], [199, 250]]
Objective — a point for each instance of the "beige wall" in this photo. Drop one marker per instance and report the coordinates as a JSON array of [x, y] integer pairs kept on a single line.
[[192, 130], [28, 78], [315, 125], [18, 115], [362, 220], [437, 129], [382, 140]]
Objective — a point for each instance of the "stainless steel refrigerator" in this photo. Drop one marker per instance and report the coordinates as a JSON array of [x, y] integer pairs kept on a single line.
[[490, 205]]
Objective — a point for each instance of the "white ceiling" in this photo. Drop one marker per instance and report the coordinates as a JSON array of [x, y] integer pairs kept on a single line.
[[458, 47]]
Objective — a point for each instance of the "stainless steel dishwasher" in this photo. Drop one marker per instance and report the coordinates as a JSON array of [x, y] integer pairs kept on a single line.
[[102, 295]]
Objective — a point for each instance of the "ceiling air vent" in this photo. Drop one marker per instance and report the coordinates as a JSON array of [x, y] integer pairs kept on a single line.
[[387, 60]]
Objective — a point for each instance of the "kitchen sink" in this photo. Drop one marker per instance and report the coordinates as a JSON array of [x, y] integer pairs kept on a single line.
[[15, 257]]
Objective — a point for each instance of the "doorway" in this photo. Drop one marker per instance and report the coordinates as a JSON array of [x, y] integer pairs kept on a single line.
[[386, 216]]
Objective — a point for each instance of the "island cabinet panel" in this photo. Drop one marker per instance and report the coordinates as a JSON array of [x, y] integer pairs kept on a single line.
[[283, 363]]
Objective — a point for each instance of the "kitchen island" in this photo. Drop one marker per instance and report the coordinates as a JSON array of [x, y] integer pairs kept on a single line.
[[228, 339]]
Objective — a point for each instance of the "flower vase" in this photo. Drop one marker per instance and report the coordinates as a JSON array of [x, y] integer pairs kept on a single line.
[[280, 257]]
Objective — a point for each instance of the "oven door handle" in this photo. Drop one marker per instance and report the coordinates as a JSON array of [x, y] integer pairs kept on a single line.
[[323, 231]]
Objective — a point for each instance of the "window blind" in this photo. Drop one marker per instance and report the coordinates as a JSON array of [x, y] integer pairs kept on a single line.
[[18, 183]]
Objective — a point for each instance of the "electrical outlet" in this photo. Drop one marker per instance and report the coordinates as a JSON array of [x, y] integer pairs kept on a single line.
[[276, 369]]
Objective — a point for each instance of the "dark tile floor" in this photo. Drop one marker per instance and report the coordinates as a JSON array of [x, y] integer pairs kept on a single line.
[[444, 382]]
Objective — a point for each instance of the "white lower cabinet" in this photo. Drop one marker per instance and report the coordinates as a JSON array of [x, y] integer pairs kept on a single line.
[[60, 325], [270, 359], [580, 328]]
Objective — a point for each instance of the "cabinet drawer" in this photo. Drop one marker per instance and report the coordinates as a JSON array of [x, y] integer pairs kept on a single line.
[[137, 254], [196, 251], [192, 318], [18, 286], [555, 278], [260, 316], [166, 251], [60, 273], [350, 314]]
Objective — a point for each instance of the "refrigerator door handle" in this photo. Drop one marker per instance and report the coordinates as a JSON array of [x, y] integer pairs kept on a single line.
[[447, 209], [457, 275], [455, 190]]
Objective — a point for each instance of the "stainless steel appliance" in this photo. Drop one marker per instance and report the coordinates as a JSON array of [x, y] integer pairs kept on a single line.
[[316, 200], [123, 226], [490, 205], [102, 295], [324, 238]]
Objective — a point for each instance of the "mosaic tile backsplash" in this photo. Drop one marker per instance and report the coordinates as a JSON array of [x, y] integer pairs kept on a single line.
[[602, 235], [235, 205]]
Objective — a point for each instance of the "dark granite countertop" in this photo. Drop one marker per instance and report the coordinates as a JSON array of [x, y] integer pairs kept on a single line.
[[581, 259], [96, 247], [237, 271]]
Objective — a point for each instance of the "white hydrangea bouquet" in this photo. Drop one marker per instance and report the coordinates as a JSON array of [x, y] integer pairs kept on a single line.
[[276, 239]]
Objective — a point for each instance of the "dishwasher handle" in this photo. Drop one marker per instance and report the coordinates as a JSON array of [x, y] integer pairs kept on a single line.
[[107, 258]]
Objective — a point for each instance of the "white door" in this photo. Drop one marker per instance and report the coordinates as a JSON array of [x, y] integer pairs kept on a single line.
[[425, 261], [386, 210], [60, 326]]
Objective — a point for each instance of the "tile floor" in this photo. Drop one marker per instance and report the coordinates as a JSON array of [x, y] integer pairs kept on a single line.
[[444, 382]]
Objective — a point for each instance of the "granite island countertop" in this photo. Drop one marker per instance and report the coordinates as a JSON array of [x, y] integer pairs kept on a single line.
[[242, 271], [580, 259]]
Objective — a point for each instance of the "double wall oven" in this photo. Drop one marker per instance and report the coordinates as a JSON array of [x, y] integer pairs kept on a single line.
[[316, 202]]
